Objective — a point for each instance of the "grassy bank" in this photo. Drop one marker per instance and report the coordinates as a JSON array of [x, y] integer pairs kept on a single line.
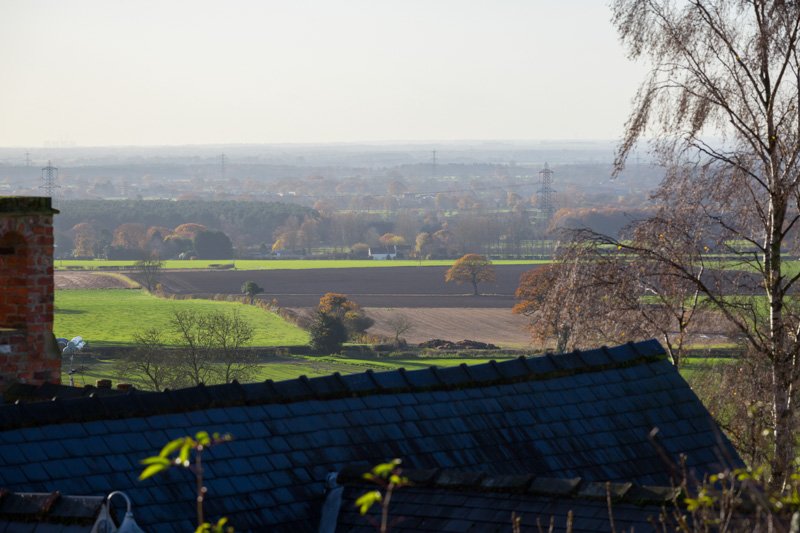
[[110, 317], [280, 368]]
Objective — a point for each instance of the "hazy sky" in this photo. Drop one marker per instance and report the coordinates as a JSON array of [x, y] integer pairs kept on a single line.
[[112, 72]]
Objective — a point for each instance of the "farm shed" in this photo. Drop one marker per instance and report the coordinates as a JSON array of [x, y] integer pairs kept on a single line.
[[564, 424]]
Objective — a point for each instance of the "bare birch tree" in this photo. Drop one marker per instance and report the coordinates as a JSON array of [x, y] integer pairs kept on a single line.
[[195, 356], [150, 361], [194, 348], [230, 334], [149, 268], [728, 68]]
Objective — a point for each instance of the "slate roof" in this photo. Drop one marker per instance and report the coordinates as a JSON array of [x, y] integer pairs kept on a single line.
[[26, 392], [447, 500], [47, 512], [584, 414]]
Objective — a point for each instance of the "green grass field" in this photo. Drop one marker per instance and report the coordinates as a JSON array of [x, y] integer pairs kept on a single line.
[[290, 367], [281, 368], [264, 264], [110, 317]]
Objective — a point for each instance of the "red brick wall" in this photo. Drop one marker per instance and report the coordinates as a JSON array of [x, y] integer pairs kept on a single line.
[[27, 351]]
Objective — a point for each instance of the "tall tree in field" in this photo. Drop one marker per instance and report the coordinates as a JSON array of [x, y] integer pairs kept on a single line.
[[423, 245], [471, 268], [230, 334], [150, 360], [149, 269], [251, 289], [194, 359], [731, 69]]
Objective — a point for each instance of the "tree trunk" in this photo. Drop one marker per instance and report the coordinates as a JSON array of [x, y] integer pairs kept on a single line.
[[782, 362]]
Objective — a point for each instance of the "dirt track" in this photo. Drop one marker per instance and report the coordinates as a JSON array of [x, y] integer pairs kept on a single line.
[[422, 287]]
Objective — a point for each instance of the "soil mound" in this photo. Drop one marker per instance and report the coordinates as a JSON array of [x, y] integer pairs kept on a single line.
[[466, 344]]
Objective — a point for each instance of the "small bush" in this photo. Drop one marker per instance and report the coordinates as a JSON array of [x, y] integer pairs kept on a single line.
[[328, 333]]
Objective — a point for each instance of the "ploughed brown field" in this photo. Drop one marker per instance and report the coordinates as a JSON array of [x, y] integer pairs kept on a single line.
[[436, 309], [370, 287], [496, 326]]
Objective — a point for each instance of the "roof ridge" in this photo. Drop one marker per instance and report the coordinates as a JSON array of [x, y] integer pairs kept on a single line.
[[139, 403], [524, 483]]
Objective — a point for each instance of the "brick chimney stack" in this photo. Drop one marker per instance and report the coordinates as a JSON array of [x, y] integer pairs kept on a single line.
[[28, 352]]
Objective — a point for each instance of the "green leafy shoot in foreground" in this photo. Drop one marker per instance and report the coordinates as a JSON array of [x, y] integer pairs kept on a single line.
[[736, 500], [178, 453], [389, 477]]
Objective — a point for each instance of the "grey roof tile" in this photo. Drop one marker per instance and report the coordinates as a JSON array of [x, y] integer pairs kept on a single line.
[[524, 415], [423, 379], [455, 375]]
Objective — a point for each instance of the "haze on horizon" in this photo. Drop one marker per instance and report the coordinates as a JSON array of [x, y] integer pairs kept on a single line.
[[99, 73]]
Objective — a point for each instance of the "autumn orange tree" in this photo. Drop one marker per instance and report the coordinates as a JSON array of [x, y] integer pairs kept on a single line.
[[189, 230], [130, 236], [391, 241], [594, 294], [471, 268], [349, 312], [85, 241], [569, 302]]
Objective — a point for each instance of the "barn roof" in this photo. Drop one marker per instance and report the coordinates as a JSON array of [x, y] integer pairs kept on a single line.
[[583, 414]]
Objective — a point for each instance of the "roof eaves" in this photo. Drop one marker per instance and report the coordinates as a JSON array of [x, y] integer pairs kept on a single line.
[[569, 362], [191, 398], [575, 488], [601, 491], [261, 393], [44, 413], [50, 507], [393, 381], [227, 394], [328, 386], [515, 369], [426, 378], [293, 390], [554, 486], [134, 404]]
